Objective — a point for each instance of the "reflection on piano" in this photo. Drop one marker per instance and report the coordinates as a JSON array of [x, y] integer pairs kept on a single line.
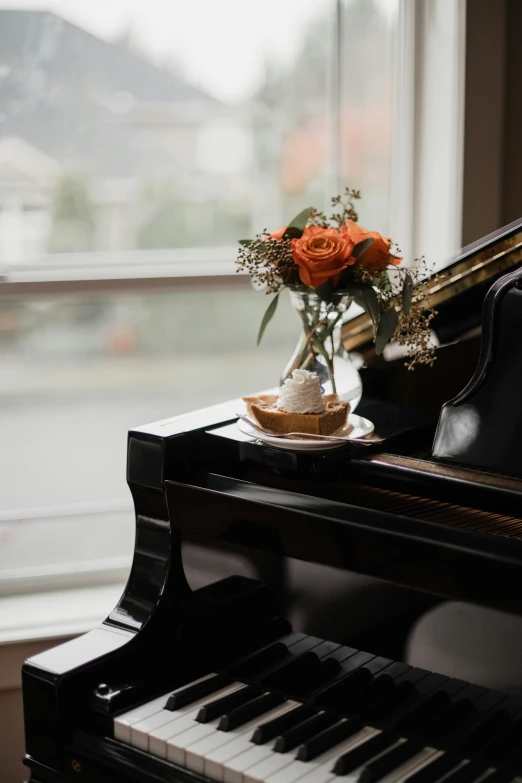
[[214, 685]]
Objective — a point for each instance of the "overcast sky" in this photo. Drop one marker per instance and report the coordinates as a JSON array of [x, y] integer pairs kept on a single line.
[[222, 45]]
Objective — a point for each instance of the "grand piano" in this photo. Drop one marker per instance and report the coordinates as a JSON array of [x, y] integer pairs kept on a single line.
[[191, 686]]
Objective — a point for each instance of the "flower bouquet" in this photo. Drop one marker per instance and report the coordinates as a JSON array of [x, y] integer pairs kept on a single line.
[[327, 263]]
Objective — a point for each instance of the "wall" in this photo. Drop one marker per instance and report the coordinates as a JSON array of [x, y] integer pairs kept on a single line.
[[12, 749], [492, 187]]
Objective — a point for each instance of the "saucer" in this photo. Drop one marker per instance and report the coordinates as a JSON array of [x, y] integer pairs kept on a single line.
[[355, 427]]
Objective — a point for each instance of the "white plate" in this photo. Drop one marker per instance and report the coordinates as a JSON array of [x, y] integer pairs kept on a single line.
[[356, 427]]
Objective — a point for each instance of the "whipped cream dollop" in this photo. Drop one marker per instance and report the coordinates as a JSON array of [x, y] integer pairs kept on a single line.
[[302, 393]]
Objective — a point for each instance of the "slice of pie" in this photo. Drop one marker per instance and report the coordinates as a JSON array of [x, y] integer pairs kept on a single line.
[[263, 409]]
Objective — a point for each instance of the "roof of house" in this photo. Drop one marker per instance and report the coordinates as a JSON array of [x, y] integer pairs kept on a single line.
[[63, 89]]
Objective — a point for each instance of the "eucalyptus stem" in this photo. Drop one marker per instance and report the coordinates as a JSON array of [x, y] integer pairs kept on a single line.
[[318, 327]]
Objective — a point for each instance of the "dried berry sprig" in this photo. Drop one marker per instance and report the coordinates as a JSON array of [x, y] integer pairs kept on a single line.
[[269, 262], [407, 292], [343, 209]]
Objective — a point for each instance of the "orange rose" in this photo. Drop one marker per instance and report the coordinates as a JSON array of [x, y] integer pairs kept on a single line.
[[377, 256], [322, 253], [279, 233]]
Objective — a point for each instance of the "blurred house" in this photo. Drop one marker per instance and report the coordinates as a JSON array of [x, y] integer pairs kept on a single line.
[[102, 150]]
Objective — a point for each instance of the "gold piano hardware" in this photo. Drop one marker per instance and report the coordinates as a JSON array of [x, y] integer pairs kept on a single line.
[[359, 331]]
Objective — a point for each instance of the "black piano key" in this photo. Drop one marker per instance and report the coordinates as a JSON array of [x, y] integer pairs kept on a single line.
[[385, 764], [381, 687], [273, 728], [452, 721], [396, 670], [197, 691], [277, 629], [498, 776], [301, 665], [374, 691], [327, 671], [345, 694], [250, 710], [328, 738], [467, 773], [436, 770], [326, 649], [337, 696], [485, 731], [215, 709], [343, 653], [304, 644], [495, 712], [452, 718], [259, 661], [358, 756], [403, 693], [298, 734], [389, 702], [352, 693], [315, 692], [420, 714], [507, 741]]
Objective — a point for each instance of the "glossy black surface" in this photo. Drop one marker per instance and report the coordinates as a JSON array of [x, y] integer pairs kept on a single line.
[[482, 426]]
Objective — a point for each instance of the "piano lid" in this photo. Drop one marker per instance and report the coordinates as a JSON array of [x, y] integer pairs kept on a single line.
[[459, 296]]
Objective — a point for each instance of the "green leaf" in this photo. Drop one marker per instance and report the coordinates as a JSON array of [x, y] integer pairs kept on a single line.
[[245, 242], [407, 293], [347, 279], [367, 299], [387, 326], [269, 314], [295, 228], [371, 303], [325, 290], [361, 248]]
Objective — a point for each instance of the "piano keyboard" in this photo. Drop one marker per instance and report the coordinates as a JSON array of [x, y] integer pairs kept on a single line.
[[302, 709]]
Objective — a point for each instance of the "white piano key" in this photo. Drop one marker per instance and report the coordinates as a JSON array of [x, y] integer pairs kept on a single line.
[[158, 739], [236, 767], [262, 771], [140, 731], [177, 744], [298, 769], [122, 724], [195, 753], [218, 750], [181, 725]]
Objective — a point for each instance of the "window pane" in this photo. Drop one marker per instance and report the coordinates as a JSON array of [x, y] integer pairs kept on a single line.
[[365, 111], [127, 125], [128, 128], [77, 373]]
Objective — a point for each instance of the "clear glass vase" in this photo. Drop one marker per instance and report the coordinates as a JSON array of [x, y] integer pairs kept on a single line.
[[320, 349]]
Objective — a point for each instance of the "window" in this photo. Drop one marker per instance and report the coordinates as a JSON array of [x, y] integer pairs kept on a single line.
[[136, 147]]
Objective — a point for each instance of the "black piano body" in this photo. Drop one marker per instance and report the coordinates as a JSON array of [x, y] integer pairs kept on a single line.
[[391, 511]]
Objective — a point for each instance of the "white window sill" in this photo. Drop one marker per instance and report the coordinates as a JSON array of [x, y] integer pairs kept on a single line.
[[47, 615]]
